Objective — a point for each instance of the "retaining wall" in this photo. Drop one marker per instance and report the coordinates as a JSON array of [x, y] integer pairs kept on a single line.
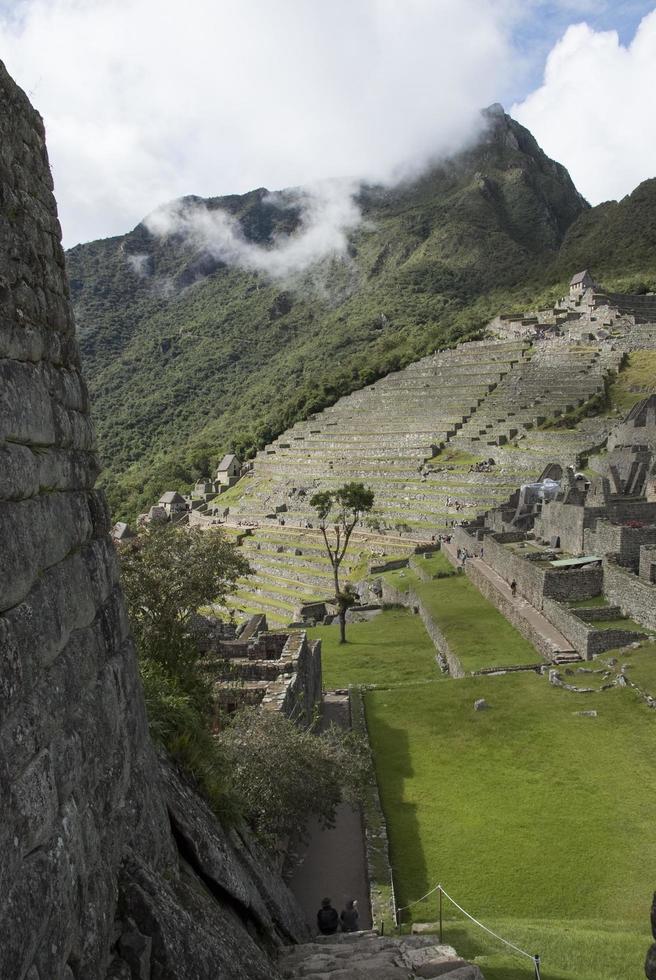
[[635, 597], [411, 600]]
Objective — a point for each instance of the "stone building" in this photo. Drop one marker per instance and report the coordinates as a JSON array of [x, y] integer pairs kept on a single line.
[[229, 470], [173, 504], [579, 283], [592, 539], [278, 670]]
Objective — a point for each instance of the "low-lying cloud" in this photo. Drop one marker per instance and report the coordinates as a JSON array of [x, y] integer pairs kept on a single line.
[[146, 101], [328, 211]]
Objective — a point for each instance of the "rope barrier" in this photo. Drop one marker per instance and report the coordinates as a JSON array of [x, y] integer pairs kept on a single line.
[[500, 938], [534, 958], [402, 908]]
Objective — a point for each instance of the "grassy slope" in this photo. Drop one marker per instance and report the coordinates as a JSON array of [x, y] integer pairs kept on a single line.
[[635, 381], [392, 649], [524, 812], [476, 632]]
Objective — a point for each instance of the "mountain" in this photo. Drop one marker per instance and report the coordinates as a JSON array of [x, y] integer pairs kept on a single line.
[[189, 356]]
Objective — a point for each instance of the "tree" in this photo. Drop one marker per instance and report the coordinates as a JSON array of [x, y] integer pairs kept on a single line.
[[280, 774], [168, 573], [342, 508]]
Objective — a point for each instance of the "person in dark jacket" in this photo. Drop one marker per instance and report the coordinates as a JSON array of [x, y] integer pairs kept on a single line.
[[327, 918], [350, 916]]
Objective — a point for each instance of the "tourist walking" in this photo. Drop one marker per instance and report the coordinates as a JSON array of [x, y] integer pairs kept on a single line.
[[327, 918], [350, 916], [513, 588]]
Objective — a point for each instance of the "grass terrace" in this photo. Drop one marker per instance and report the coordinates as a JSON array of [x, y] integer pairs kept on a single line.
[[391, 649], [476, 632], [635, 381], [537, 820]]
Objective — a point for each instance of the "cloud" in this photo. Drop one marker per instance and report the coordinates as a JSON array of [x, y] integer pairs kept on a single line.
[[327, 212], [594, 110], [149, 100]]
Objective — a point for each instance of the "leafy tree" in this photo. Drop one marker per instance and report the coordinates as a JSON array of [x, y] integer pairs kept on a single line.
[[342, 508], [168, 573], [281, 774]]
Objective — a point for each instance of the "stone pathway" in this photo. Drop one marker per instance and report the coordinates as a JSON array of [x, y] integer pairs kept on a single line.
[[333, 864], [367, 956], [562, 648]]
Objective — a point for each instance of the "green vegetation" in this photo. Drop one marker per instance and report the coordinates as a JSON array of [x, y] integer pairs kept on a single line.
[[391, 649], [168, 573], [476, 632], [536, 820], [640, 665], [339, 511], [596, 602], [283, 774], [189, 358], [259, 765], [635, 381]]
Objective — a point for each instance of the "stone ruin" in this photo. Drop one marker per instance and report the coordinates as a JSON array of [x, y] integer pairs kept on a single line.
[[593, 537], [276, 670], [620, 321]]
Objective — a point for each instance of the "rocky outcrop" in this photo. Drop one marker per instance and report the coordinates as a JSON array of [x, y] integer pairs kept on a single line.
[[108, 867]]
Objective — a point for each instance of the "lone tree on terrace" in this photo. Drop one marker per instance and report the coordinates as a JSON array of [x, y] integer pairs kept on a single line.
[[341, 508]]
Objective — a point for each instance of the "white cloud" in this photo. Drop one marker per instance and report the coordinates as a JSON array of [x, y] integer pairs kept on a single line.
[[149, 100], [595, 109], [327, 209]]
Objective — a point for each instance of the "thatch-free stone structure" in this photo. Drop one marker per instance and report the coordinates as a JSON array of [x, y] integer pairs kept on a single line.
[[110, 866]]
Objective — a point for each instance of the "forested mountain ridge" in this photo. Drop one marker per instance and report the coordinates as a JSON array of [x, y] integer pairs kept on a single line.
[[188, 357]]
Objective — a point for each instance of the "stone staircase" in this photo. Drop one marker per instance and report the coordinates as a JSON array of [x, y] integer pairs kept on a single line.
[[368, 956]]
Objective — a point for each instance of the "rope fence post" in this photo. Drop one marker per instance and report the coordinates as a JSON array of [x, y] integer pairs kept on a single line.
[[536, 960], [440, 913]]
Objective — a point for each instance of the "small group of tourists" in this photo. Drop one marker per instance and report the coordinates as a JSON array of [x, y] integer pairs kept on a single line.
[[329, 922]]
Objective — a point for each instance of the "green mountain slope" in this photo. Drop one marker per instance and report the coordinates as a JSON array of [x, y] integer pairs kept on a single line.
[[188, 357]]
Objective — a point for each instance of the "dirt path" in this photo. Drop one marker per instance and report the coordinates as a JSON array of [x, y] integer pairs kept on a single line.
[[333, 864]]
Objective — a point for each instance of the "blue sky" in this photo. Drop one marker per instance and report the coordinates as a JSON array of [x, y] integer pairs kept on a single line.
[[148, 100], [545, 21]]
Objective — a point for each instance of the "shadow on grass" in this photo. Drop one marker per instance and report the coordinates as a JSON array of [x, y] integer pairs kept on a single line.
[[393, 767]]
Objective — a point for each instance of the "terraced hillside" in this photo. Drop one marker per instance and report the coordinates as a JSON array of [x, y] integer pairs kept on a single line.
[[439, 442], [291, 569]]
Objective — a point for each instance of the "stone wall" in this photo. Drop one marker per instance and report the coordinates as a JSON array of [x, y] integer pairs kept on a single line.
[[413, 601], [534, 580], [510, 612], [607, 538], [583, 636], [96, 871], [635, 597]]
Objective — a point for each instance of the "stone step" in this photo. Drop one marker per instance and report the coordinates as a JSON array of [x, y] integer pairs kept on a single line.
[[365, 956]]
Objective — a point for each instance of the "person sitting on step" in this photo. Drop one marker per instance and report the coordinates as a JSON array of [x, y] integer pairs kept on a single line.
[[327, 918], [350, 916]]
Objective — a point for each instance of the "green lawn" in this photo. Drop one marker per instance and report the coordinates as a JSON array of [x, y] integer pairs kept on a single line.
[[393, 648], [641, 665], [635, 381], [476, 632], [536, 820]]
